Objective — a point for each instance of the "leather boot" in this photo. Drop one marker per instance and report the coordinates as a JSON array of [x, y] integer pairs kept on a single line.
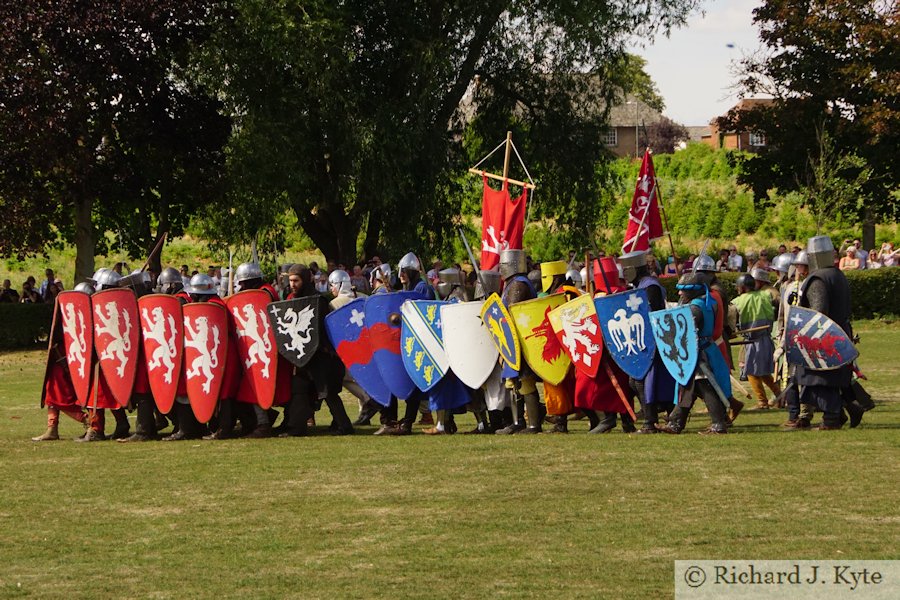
[[561, 425], [123, 429], [518, 419], [342, 424], [51, 434], [627, 423], [440, 426], [677, 419], [482, 423], [607, 423], [91, 435], [495, 420], [188, 427]]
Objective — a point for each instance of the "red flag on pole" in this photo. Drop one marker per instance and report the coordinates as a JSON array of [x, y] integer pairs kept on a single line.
[[502, 223], [644, 223]]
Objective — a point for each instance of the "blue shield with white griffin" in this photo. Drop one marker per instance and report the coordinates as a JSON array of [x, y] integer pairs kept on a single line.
[[421, 342], [625, 323], [816, 342], [383, 320], [676, 341]]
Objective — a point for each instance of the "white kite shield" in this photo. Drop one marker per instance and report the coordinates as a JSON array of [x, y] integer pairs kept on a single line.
[[468, 344]]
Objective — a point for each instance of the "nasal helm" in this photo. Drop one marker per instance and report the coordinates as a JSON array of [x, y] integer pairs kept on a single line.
[[820, 252], [549, 270], [169, 281], [341, 280], [746, 281], [573, 277], [782, 262], [380, 273], [704, 262], [84, 287], [802, 258], [246, 275], [631, 262], [512, 262], [106, 278], [202, 285]]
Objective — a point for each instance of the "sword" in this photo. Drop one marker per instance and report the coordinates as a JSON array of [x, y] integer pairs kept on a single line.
[[473, 261], [704, 368], [736, 383]]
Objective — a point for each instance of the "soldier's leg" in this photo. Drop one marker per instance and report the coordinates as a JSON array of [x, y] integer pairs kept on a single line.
[[340, 420], [478, 406], [534, 410], [96, 427], [52, 432], [516, 416], [829, 401], [123, 428], [188, 426], [756, 384], [677, 417], [145, 424], [627, 423], [263, 427], [714, 406], [606, 424]]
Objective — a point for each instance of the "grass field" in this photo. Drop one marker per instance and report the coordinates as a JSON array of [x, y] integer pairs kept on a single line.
[[577, 516]]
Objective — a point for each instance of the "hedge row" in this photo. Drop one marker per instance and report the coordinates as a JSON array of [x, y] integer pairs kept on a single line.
[[874, 293], [24, 325]]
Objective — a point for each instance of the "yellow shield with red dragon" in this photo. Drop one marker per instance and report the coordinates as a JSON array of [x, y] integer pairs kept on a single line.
[[540, 346]]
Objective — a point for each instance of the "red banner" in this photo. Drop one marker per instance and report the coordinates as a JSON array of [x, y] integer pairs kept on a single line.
[[502, 223], [644, 223]]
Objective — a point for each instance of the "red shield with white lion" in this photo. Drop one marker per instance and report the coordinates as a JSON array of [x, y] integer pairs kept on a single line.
[[256, 346], [116, 339], [162, 334], [205, 349], [77, 322]]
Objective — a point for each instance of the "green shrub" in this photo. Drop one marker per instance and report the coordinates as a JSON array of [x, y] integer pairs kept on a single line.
[[874, 293], [24, 325]]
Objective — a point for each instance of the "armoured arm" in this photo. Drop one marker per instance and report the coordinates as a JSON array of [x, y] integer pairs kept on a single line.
[[697, 313], [817, 296], [518, 292], [657, 301]]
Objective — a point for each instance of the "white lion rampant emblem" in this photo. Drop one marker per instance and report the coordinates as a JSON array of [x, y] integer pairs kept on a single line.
[[165, 353], [208, 358], [627, 333], [73, 326], [249, 326], [111, 326], [294, 325], [576, 325]]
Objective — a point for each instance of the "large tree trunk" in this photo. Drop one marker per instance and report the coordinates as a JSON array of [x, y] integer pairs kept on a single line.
[[373, 232], [868, 229], [85, 243], [334, 235]]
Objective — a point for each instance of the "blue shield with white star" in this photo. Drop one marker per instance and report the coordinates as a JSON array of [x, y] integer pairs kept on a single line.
[[422, 343], [676, 341], [346, 328], [815, 341], [625, 324]]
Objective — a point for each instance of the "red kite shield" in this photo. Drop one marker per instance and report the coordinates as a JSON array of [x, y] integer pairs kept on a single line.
[[78, 340], [205, 348], [255, 342], [116, 339], [162, 334]]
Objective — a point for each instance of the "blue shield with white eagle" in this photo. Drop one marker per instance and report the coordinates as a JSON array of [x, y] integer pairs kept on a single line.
[[625, 323], [676, 341], [422, 343]]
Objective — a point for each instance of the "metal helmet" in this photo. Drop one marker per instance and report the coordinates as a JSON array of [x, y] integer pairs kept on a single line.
[[202, 285], [802, 258], [782, 262], [137, 280], [512, 262], [631, 262], [704, 262], [691, 285], [760, 275], [381, 273], [549, 270], [342, 280], [247, 271], [491, 284], [410, 262], [169, 281], [106, 278], [84, 287], [447, 280], [746, 281], [820, 252], [573, 276]]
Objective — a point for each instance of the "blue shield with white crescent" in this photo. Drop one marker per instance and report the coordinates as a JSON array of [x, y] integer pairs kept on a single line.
[[676, 341], [346, 328], [816, 342], [383, 320], [421, 342], [625, 323]]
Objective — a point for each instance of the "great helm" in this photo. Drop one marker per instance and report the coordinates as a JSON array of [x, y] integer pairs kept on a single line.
[[512, 262], [447, 280], [782, 262], [202, 285], [549, 270], [169, 281], [341, 279], [704, 262], [246, 272], [106, 278], [606, 271], [760, 275], [631, 262], [820, 252], [491, 284], [802, 258]]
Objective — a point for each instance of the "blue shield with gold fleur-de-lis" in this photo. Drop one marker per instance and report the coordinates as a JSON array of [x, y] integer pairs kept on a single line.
[[422, 343]]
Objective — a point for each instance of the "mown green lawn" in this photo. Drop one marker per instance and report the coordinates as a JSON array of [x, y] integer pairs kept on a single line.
[[462, 516]]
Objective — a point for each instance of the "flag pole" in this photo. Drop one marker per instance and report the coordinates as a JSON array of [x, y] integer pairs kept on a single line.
[[662, 209]]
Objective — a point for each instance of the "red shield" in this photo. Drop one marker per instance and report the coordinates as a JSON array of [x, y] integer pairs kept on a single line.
[[205, 348], [116, 339], [255, 342], [162, 334], [77, 321], [577, 328]]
